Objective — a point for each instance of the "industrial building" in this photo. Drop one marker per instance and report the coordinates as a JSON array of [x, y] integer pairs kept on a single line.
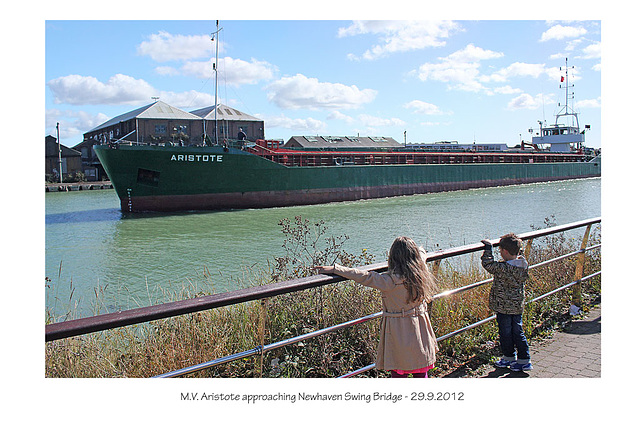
[[161, 123]]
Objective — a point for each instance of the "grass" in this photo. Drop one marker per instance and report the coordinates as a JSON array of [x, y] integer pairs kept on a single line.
[[166, 345]]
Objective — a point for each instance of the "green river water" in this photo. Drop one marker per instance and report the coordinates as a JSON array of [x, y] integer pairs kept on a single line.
[[139, 259]]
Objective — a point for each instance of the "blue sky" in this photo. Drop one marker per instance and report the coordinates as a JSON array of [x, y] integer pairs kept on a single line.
[[463, 80]]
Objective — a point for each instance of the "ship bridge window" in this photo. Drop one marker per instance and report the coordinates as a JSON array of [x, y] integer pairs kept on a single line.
[[148, 177]]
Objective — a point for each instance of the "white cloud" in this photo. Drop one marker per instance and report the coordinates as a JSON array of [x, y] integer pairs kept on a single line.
[[472, 53], [299, 91], [422, 107], [449, 72], [308, 125], [524, 101], [118, 90], [528, 102], [372, 121], [589, 103], [506, 90], [517, 69], [436, 123], [233, 71], [163, 47], [559, 32], [592, 51], [460, 69], [72, 123], [399, 36], [188, 100], [573, 44], [81, 90], [337, 115], [366, 27]]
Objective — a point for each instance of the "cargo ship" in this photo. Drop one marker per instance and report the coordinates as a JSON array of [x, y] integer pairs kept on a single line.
[[157, 178], [238, 174]]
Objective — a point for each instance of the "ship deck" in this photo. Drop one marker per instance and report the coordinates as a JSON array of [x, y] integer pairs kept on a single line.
[[306, 158]]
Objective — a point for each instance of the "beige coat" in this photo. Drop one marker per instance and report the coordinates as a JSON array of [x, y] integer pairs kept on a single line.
[[407, 342]]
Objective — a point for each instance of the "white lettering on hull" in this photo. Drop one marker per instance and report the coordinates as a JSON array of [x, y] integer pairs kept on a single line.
[[196, 157]]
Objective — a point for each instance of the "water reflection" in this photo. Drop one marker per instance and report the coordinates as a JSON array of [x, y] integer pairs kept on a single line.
[[94, 215]]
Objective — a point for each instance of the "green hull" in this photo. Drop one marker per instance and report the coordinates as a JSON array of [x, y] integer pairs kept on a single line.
[[153, 178]]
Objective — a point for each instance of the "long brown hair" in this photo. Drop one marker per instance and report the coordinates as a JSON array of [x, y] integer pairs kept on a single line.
[[405, 261]]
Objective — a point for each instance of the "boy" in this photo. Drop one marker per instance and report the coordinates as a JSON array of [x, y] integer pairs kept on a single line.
[[506, 298]]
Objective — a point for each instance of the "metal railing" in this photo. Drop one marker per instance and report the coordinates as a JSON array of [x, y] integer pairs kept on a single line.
[[87, 325]]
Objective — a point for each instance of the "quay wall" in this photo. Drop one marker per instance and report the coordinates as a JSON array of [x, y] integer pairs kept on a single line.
[[78, 186]]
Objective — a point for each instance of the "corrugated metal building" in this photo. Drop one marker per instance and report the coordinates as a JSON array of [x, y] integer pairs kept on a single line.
[[231, 122], [160, 122], [71, 162], [157, 122]]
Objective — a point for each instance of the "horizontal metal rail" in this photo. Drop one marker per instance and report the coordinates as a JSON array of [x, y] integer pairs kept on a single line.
[[487, 281], [478, 323], [261, 349], [103, 322], [313, 334]]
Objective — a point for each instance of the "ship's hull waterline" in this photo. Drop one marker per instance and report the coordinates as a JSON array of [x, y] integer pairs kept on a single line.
[[153, 178]]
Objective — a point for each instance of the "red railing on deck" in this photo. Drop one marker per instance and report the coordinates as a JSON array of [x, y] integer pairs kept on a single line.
[[272, 151]]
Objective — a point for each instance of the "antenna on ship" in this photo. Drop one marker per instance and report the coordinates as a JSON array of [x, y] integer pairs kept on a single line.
[[565, 79], [214, 36]]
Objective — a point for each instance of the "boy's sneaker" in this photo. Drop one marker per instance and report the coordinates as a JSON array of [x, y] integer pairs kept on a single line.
[[502, 363], [518, 367]]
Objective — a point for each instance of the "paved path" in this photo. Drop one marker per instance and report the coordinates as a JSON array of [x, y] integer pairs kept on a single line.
[[571, 353]]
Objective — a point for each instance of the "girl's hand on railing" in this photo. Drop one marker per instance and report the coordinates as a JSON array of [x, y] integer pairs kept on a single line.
[[324, 269]]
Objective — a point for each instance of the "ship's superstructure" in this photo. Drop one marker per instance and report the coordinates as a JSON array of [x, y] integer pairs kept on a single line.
[[564, 136]]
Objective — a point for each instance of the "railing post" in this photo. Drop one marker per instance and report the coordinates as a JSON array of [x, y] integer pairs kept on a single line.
[[434, 270], [527, 249], [576, 292], [261, 330]]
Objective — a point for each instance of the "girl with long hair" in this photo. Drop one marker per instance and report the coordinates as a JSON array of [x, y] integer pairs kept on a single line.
[[407, 342]]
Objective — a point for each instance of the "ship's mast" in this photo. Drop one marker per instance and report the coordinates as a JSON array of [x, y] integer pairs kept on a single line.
[[214, 36], [566, 110]]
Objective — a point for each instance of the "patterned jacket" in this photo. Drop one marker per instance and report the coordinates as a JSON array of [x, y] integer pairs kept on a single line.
[[507, 292]]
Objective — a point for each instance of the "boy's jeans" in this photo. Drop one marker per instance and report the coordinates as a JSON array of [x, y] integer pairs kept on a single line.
[[512, 337]]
